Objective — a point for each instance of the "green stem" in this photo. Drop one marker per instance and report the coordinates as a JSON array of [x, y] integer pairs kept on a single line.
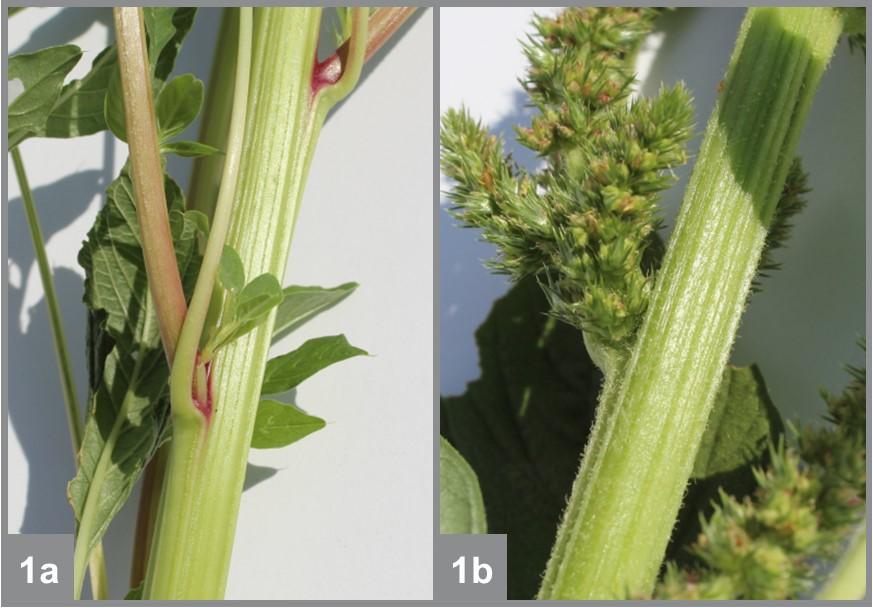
[[206, 174], [99, 586], [848, 581], [74, 422], [200, 502], [627, 494]]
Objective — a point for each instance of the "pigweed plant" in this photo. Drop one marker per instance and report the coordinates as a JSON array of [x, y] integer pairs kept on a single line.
[[689, 486], [183, 295]]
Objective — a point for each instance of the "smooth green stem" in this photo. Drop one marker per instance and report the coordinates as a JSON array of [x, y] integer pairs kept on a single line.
[[99, 585], [147, 175], [627, 494], [848, 581], [197, 517], [74, 422], [206, 174]]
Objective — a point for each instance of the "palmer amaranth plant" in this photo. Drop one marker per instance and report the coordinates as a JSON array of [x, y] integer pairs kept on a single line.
[[183, 297], [766, 513]]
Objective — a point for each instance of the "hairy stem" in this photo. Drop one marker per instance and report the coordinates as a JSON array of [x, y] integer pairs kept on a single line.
[[97, 566], [629, 489], [165, 283]]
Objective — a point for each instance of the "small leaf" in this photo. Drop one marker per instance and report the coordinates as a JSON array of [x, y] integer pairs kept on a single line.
[[301, 303], [166, 27], [178, 104], [278, 424], [200, 220], [230, 270], [189, 149], [42, 73], [113, 107], [135, 593], [257, 298], [287, 371], [461, 508]]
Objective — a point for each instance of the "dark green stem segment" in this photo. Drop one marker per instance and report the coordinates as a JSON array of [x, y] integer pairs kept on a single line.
[[74, 422], [655, 406]]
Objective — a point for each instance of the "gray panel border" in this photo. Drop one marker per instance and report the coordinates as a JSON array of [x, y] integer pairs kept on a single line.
[[436, 42]]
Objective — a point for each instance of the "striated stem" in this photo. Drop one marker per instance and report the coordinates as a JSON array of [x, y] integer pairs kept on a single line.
[[288, 98], [627, 494], [165, 284]]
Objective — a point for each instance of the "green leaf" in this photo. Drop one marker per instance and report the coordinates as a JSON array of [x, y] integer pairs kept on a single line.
[[742, 425], [129, 406], [166, 27], [278, 424], [523, 424], [261, 295], [135, 593], [42, 73], [189, 149], [113, 106], [301, 303], [461, 508], [287, 371], [230, 270], [79, 110], [178, 104]]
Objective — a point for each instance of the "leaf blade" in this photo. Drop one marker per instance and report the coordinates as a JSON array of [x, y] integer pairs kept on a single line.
[[279, 424], [42, 73], [289, 370], [301, 303], [462, 510]]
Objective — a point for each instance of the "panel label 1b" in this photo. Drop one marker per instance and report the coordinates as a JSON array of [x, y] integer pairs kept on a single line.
[[470, 567]]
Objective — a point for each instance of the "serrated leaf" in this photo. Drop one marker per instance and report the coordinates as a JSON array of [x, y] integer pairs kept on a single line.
[[461, 508], [230, 270], [301, 303], [260, 295], [42, 73], [166, 27], [279, 424], [79, 110], [287, 371], [178, 104], [128, 373], [189, 149], [742, 425]]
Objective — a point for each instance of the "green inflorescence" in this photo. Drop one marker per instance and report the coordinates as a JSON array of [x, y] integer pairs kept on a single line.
[[583, 224], [771, 545]]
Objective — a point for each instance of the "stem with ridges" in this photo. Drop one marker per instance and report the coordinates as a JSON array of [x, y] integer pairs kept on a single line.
[[627, 494], [97, 566], [288, 100]]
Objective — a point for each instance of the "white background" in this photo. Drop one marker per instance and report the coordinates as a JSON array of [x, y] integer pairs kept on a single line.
[[347, 513], [804, 325]]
